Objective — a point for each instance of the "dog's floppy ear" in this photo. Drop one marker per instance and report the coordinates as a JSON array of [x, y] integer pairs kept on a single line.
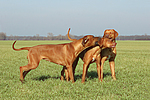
[[115, 34], [85, 40]]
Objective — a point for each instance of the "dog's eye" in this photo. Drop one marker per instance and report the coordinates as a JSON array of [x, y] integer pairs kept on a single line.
[[85, 40]]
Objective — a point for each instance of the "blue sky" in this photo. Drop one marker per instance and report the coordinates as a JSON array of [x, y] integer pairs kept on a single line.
[[31, 17]]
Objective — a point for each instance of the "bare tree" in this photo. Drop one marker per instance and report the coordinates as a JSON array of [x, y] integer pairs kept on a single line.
[[2, 36]]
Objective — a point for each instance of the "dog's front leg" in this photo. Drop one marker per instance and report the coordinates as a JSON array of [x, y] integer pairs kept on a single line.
[[85, 68], [70, 71], [112, 67], [98, 70], [64, 70], [101, 67], [62, 73]]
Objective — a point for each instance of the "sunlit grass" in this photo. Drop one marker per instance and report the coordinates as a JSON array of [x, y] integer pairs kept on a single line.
[[132, 73]]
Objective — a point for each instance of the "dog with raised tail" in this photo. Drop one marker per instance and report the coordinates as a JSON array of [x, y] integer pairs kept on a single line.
[[62, 54]]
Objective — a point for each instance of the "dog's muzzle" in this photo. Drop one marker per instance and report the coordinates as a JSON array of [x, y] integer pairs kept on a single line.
[[113, 45]]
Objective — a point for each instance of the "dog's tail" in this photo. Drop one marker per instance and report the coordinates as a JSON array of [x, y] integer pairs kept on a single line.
[[24, 48], [70, 37]]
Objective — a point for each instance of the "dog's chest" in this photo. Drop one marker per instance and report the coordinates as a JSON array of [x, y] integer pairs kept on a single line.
[[95, 55], [107, 52]]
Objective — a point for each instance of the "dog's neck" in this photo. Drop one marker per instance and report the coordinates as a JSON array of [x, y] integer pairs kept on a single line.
[[114, 49], [78, 47]]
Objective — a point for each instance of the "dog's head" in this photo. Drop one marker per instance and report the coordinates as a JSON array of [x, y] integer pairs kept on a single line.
[[106, 42], [89, 40], [110, 33]]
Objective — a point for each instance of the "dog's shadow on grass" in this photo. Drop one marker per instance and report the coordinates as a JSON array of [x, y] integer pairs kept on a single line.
[[90, 75], [43, 78]]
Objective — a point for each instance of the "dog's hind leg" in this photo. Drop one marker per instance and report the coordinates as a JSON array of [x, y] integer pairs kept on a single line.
[[33, 64], [25, 69], [25, 73]]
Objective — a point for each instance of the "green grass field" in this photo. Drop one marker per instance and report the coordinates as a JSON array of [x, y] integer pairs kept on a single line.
[[132, 73]]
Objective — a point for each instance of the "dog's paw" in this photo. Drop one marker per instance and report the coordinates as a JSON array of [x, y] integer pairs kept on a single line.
[[22, 81]]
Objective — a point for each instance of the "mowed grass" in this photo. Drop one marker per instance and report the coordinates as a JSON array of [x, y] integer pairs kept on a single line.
[[132, 73]]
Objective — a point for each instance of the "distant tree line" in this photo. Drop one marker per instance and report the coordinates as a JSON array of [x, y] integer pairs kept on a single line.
[[50, 36], [134, 37]]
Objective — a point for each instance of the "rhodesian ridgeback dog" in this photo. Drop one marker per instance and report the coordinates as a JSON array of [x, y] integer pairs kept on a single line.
[[62, 54], [93, 54], [109, 53]]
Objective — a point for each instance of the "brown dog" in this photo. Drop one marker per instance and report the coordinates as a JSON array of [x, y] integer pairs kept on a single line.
[[109, 53], [62, 54], [91, 55]]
